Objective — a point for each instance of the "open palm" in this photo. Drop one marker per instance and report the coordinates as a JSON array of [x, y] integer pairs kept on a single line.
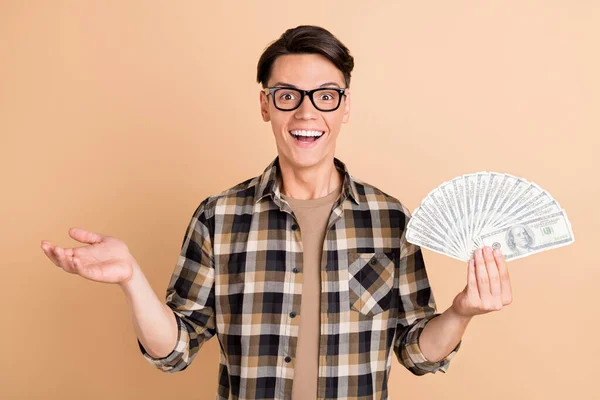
[[104, 258]]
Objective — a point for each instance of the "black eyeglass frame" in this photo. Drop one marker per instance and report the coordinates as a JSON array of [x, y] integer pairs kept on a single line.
[[303, 93]]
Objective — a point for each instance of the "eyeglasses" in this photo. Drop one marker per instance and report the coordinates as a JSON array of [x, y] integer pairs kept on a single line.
[[289, 99]]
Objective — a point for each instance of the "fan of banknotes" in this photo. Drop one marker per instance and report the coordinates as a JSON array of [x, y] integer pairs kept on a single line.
[[489, 209]]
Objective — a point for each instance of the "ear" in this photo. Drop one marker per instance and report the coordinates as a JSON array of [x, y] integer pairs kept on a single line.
[[264, 107], [346, 106]]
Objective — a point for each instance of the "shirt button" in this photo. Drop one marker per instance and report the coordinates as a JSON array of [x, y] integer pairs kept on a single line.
[[296, 270], [373, 261], [294, 227], [292, 314], [288, 359]]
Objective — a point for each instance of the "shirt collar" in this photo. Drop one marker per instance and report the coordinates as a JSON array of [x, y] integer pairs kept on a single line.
[[269, 182]]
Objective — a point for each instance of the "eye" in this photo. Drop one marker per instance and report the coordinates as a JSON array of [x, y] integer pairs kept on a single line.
[[287, 96], [328, 96]]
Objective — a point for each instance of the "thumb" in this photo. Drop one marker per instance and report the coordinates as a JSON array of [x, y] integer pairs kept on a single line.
[[84, 236]]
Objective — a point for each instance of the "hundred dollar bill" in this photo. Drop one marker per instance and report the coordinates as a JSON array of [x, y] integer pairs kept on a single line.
[[438, 231], [530, 191], [449, 198], [481, 180], [459, 194], [420, 238], [470, 181], [489, 198], [511, 190], [522, 239], [444, 209], [434, 205], [529, 210]]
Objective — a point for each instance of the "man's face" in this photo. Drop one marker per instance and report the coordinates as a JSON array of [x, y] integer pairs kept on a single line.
[[305, 71], [520, 237]]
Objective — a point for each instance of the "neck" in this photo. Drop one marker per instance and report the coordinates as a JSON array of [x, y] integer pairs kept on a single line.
[[311, 182]]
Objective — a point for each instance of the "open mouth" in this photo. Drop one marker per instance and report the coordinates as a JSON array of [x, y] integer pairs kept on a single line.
[[306, 136]]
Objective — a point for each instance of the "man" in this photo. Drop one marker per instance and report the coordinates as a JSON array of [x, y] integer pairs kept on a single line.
[[519, 240], [303, 272]]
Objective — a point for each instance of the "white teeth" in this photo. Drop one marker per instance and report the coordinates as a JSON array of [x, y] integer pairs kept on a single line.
[[306, 133]]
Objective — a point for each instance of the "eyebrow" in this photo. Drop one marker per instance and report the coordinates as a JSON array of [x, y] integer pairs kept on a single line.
[[326, 84]]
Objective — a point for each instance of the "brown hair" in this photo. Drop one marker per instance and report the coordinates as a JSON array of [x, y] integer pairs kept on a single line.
[[306, 39]]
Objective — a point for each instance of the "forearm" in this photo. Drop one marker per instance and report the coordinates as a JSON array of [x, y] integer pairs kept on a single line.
[[154, 322], [442, 334]]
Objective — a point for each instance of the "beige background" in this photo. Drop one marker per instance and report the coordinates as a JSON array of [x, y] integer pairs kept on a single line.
[[120, 117]]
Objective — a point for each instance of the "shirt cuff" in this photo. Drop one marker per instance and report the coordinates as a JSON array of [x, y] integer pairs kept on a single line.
[[177, 360], [413, 354]]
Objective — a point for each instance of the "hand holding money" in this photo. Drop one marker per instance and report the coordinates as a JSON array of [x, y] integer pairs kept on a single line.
[[488, 284]]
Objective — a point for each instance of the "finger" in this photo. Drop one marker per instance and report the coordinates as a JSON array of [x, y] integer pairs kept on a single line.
[[85, 236], [48, 250], [493, 274], [472, 290], [504, 277], [69, 258], [483, 282], [60, 255]]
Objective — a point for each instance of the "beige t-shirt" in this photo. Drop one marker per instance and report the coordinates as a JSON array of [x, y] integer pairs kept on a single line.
[[312, 216]]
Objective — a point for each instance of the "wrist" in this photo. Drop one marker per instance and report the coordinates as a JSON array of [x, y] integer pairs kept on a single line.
[[459, 316], [136, 275]]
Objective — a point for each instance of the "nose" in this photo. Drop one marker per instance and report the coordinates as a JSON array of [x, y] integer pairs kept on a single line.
[[306, 110]]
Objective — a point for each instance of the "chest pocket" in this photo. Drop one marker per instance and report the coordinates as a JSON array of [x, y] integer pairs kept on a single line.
[[371, 280]]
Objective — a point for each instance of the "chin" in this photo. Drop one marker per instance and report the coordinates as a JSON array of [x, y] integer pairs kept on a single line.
[[304, 161]]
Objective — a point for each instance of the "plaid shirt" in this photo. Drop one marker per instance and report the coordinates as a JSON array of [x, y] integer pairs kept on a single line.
[[239, 276]]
